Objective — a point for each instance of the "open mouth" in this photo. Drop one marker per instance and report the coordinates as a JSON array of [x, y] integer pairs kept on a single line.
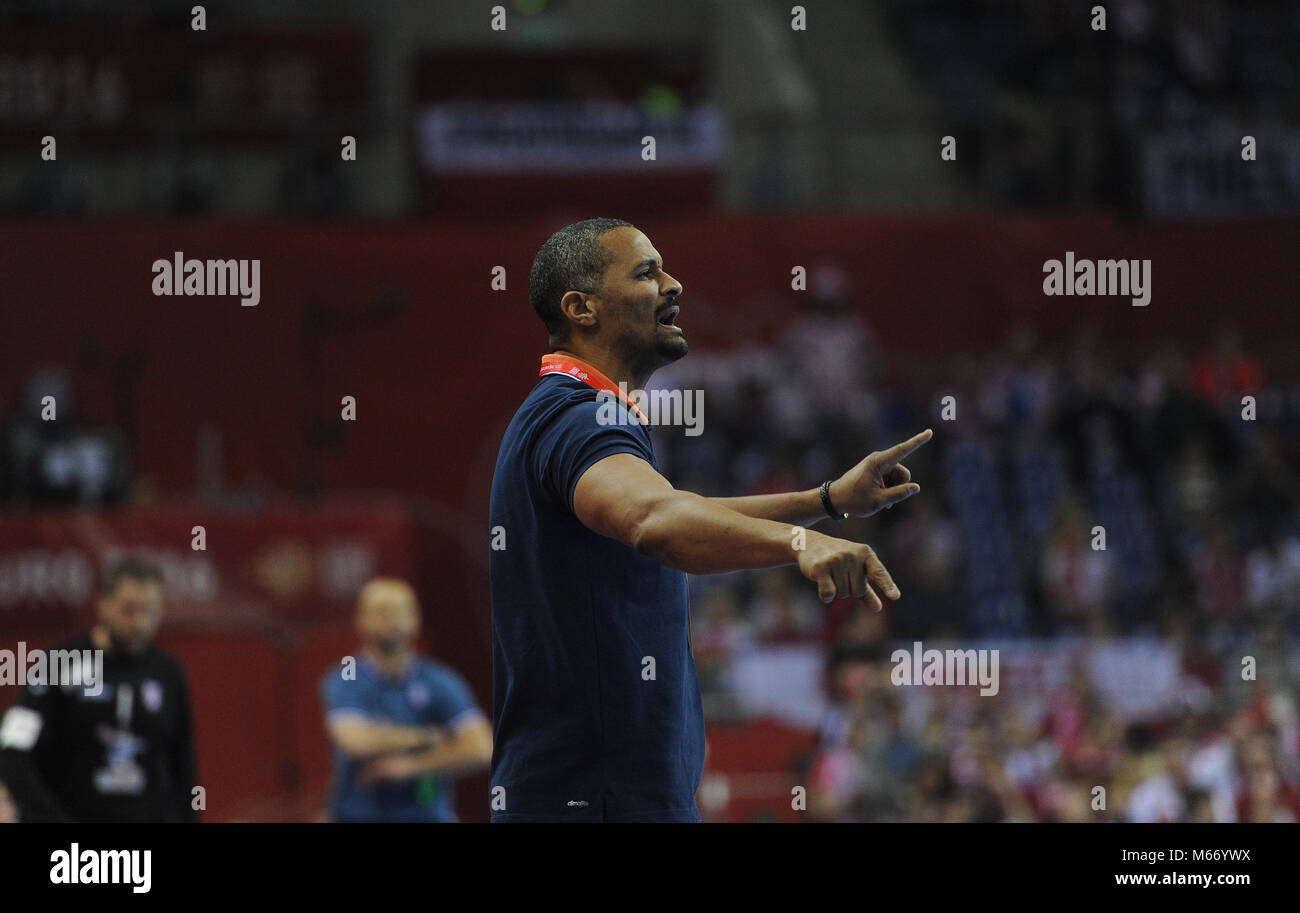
[[668, 315]]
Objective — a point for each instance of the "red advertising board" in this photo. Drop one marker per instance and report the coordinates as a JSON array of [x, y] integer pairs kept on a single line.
[[276, 566]]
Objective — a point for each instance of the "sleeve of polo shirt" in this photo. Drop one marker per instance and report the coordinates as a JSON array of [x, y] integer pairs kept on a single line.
[[454, 705], [342, 697], [575, 439]]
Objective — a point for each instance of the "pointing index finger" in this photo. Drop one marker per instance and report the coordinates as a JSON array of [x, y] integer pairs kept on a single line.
[[898, 451]]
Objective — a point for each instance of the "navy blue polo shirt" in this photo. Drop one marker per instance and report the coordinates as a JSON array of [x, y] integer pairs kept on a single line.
[[596, 703]]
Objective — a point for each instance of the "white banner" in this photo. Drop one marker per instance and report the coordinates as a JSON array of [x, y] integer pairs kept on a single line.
[[1201, 173], [1138, 678], [519, 137]]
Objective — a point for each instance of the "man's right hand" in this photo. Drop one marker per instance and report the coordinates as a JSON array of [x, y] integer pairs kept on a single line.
[[842, 568]]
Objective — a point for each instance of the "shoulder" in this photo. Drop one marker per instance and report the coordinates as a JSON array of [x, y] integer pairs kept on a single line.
[[561, 413], [334, 677], [555, 394], [446, 681], [430, 670], [587, 412], [165, 663]]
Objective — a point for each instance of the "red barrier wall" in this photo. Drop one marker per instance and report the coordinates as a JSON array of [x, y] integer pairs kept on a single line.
[[436, 384]]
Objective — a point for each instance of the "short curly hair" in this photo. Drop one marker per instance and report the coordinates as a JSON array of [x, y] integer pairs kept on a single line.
[[572, 259]]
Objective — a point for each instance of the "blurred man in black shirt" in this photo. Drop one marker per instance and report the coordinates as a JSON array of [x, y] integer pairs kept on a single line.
[[122, 750]]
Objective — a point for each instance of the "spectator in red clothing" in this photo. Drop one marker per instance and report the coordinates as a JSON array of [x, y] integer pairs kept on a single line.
[[1077, 579], [784, 612], [1219, 570], [1264, 796], [1226, 373]]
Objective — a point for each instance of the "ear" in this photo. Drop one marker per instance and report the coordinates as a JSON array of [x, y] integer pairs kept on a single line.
[[579, 308]]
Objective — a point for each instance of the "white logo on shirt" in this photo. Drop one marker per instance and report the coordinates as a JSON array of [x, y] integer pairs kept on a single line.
[[152, 693], [417, 694]]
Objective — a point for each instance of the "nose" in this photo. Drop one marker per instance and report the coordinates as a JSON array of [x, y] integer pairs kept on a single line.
[[673, 287]]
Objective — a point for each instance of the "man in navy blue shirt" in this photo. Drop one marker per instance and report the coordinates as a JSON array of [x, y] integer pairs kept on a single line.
[[401, 725], [596, 704]]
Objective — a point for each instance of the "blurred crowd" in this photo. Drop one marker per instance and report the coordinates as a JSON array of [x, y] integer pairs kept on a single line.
[[1066, 491], [1047, 96], [1069, 492], [936, 754], [1169, 58]]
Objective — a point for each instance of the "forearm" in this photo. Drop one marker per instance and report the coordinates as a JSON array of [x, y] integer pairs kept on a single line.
[[453, 758], [699, 535], [362, 739], [800, 508]]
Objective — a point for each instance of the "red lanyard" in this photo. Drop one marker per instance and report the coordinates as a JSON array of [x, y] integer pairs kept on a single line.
[[588, 375]]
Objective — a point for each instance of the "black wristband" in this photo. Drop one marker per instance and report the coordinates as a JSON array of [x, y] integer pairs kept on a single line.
[[830, 508]]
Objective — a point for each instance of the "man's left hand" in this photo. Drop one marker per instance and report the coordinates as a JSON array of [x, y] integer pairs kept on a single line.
[[881, 480]]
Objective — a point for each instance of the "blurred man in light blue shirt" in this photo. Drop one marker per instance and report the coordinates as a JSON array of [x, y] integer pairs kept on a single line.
[[401, 725]]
